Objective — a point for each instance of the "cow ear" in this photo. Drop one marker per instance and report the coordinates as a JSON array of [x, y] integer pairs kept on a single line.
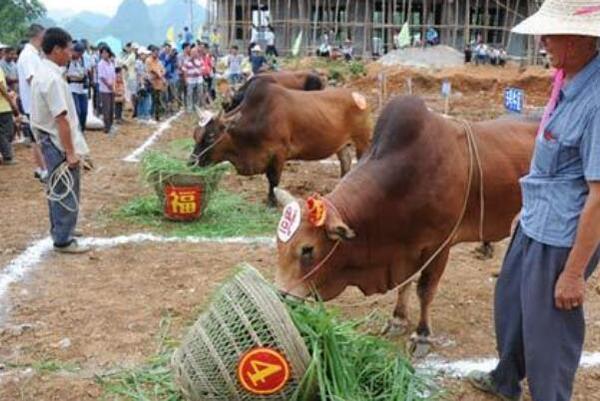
[[340, 232], [199, 134]]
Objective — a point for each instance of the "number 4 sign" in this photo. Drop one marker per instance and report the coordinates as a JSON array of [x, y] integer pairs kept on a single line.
[[263, 371]]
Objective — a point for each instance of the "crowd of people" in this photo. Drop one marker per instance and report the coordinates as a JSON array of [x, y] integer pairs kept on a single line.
[[151, 82], [482, 54]]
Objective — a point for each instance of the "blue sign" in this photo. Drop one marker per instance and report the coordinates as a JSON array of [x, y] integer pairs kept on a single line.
[[446, 89], [514, 99]]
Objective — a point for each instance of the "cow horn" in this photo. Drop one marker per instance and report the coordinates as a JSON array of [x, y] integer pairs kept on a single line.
[[283, 197]]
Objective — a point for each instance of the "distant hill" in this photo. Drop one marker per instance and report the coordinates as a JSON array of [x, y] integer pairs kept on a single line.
[[134, 21], [86, 25], [131, 23], [175, 13], [94, 20]]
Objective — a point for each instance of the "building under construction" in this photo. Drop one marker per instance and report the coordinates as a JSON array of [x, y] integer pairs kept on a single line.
[[372, 24]]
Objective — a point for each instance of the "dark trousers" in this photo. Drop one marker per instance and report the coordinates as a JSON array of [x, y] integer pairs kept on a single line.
[[62, 221], [6, 134], [96, 98], [107, 104], [81, 105], [157, 104], [535, 339], [272, 51], [119, 111]]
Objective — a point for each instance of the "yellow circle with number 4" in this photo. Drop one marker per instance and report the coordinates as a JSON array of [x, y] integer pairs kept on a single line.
[[263, 371]]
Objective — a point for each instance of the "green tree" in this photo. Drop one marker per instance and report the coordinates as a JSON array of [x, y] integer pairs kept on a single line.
[[16, 15]]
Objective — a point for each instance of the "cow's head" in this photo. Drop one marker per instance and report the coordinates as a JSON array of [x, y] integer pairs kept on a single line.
[[208, 135], [310, 235]]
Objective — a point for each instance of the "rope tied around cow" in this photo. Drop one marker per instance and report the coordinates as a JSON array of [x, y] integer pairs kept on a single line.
[[474, 161]]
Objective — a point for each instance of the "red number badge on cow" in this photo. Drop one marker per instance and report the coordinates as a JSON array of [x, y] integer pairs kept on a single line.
[[263, 371], [290, 222], [183, 203]]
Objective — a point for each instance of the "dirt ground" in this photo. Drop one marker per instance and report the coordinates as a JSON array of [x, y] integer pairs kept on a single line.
[[74, 318]]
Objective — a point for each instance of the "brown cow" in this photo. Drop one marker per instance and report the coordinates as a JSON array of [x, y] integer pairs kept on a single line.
[[275, 124], [399, 205], [299, 80]]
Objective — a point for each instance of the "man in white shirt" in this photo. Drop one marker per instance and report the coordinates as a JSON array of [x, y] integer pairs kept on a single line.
[[29, 61], [54, 121]]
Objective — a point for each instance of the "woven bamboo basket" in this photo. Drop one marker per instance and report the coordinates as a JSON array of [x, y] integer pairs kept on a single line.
[[246, 314], [206, 185]]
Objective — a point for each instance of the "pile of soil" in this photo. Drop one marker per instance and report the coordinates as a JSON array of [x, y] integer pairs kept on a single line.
[[477, 92], [428, 57]]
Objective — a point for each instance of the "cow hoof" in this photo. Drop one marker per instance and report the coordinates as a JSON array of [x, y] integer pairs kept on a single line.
[[419, 346], [395, 328], [484, 252]]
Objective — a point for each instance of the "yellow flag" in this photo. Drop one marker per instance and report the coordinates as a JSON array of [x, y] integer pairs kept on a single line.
[[297, 44], [404, 38], [171, 35]]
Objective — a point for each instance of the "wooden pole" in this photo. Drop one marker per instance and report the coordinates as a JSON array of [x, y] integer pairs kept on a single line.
[[514, 22], [336, 17], [346, 13], [365, 30], [486, 21], [455, 38], [316, 23], [355, 20], [468, 22], [287, 23], [424, 22]]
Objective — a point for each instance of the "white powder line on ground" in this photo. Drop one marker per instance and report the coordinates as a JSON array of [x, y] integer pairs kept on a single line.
[[335, 161], [19, 267], [134, 157], [461, 368]]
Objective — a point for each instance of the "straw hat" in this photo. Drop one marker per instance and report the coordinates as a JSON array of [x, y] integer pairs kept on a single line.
[[563, 17]]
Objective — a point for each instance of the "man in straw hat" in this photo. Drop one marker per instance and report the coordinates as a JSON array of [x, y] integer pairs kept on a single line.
[[539, 296]]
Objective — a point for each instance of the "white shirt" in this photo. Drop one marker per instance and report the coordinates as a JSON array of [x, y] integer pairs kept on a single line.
[[270, 38], [77, 70], [234, 64], [51, 97], [27, 65]]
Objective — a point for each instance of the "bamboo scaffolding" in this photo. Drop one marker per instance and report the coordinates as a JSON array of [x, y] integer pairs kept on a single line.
[[457, 21]]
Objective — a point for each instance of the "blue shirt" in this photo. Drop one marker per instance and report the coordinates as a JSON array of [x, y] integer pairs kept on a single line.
[[257, 62], [566, 157]]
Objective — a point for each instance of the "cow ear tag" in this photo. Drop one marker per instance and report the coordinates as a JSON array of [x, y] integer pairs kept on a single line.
[[317, 211], [290, 222]]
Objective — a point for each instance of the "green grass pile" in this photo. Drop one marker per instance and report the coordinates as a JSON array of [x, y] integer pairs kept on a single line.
[[158, 167], [349, 365]]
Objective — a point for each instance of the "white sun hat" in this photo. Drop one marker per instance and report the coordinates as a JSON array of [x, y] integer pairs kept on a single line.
[[563, 17]]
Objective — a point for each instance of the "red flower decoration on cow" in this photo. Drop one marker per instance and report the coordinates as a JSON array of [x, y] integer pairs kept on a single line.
[[317, 211]]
